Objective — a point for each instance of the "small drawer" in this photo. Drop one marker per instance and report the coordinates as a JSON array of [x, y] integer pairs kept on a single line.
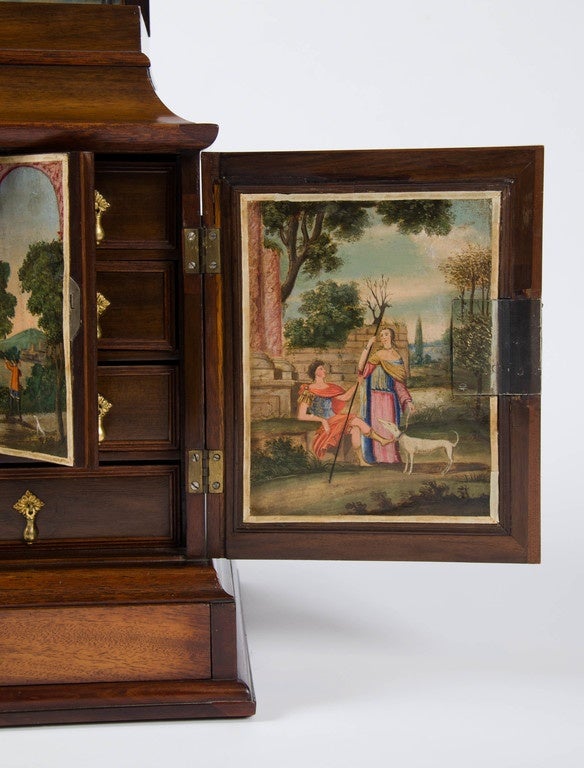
[[142, 205], [143, 412], [112, 504], [139, 308]]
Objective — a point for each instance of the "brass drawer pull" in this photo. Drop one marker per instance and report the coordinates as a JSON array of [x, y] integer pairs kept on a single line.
[[29, 506], [102, 304], [103, 407], [101, 206]]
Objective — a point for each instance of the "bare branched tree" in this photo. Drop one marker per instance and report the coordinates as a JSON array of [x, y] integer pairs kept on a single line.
[[378, 298]]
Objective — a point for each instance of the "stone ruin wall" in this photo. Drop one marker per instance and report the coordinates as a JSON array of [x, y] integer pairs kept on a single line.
[[275, 381]]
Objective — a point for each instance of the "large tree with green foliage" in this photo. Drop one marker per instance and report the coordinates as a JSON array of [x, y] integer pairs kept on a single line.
[[41, 275], [39, 394], [328, 313], [7, 301], [434, 217], [309, 232]]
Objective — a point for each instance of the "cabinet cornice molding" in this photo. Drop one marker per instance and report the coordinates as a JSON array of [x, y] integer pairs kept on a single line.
[[75, 78]]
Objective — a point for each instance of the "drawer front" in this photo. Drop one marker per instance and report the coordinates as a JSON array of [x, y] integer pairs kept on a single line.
[[141, 313], [142, 206], [114, 504], [144, 407], [143, 642]]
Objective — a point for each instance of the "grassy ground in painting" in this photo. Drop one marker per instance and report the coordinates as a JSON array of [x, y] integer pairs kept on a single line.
[[378, 489], [26, 436]]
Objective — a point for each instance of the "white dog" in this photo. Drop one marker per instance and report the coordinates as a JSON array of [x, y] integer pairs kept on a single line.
[[410, 446]]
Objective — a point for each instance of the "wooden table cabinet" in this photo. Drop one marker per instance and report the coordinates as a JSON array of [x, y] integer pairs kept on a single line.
[[156, 415]]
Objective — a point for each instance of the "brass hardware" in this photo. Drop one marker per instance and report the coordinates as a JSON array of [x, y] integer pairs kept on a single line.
[[29, 506], [191, 251], [102, 305], [212, 250], [101, 206], [195, 472], [215, 463], [202, 251], [103, 408], [205, 472]]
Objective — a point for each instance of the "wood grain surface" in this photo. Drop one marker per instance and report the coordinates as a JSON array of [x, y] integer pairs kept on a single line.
[[71, 645]]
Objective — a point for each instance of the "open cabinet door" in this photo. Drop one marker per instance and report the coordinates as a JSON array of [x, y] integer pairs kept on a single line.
[[372, 364], [42, 365]]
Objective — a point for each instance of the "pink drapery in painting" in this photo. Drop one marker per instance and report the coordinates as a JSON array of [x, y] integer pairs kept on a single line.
[[265, 297]]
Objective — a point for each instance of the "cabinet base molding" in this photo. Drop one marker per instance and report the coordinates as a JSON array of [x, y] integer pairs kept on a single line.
[[121, 643], [124, 702]]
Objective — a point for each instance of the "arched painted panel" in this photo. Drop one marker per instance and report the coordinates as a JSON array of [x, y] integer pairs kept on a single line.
[[35, 377]]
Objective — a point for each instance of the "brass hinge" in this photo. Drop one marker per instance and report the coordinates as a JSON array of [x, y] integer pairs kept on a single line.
[[205, 472], [202, 251]]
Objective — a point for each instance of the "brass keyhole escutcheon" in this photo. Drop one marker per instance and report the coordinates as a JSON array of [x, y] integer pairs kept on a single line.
[[29, 505], [101, 304], [103, 408], [101, 206]]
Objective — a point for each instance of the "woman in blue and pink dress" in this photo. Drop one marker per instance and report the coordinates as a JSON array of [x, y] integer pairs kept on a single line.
[[386, 395]]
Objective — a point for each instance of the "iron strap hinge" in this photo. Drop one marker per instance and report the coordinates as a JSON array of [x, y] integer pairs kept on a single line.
[[202, 251], [205, 471]]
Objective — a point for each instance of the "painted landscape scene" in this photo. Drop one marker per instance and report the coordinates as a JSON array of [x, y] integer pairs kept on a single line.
[[355, 307], [34, 367]]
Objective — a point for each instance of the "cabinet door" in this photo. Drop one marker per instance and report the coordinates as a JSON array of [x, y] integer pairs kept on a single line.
[[44, 200], [360, 376]]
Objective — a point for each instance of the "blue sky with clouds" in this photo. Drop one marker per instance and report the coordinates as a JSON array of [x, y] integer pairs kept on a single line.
[[29, 213], [411, 262]]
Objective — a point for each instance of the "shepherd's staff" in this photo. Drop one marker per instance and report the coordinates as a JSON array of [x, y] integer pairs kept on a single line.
[[353, 398]]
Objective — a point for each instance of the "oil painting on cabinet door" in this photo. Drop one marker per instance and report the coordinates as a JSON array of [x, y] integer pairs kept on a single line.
[[353, 308], [36, 410]]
